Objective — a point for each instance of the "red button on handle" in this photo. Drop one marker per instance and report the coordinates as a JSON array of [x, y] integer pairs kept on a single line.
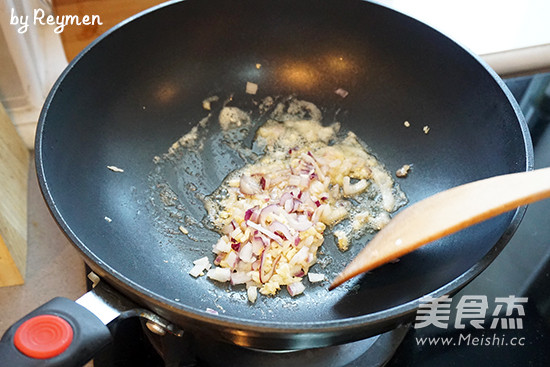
[[43, 336]]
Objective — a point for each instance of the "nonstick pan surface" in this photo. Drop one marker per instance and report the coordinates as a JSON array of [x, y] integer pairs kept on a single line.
[[137, 89]]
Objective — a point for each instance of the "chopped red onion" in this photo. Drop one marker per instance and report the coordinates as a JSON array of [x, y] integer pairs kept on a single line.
[[300, 273], [231, 259], [299, 223], [222, 246], [304, 181], [264, 278], [219, 274], [263, 183], [246, 252], [295, 289], [294, 180], [301, 256], [315, 277], [266, 211], [249, 185], [289, 205], [240, 277], [265, 231], [200, 265], [257, 245], [211, 311], [252, 293], [353, 189], [278, 227], [255, 214], [285, 197], [228, 228]]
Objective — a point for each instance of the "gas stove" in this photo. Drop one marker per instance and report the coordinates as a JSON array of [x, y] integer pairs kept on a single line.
[[522, 270]]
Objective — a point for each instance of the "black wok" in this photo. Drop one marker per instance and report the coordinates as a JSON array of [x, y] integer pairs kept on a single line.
[[138, 88]]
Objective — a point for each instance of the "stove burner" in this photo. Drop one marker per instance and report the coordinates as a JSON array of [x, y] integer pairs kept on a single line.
[[134, 345], [372, 352]]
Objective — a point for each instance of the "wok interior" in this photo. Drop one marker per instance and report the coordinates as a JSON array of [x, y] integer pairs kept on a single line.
[[134, 93]]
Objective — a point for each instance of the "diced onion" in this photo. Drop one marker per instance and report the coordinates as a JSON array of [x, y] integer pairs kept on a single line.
[[231, 259], [354, 189], [211, 311], [219, 274], [240, 277], [265, 231], [203, 261], [245, 254], [295, 289], [222, 246], [252, 293], [249, 185], [301, 256], [282, 229], [200, 265], [196, 271], [315, 277]]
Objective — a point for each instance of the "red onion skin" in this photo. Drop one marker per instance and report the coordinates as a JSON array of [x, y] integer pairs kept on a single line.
[[265, 212], [284, 197], [252, 214], [266, 232], [280, 229], [265, 278], [256, 265], [289, 205]]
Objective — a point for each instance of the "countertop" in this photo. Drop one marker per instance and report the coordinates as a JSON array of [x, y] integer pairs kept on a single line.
[[54, 266], [513, 36]]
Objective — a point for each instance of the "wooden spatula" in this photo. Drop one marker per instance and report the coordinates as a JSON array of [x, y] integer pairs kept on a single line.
[[445, 213]]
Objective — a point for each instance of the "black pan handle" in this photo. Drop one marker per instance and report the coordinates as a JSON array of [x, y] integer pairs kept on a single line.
[[58, 333]]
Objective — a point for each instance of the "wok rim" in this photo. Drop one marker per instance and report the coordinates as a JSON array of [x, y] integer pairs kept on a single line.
[[267, 326]]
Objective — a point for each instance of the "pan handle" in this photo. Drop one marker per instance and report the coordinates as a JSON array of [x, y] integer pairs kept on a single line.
[[58, 333]]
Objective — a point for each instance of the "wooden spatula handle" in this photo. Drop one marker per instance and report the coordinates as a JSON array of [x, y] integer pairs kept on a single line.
[[445, 213]]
